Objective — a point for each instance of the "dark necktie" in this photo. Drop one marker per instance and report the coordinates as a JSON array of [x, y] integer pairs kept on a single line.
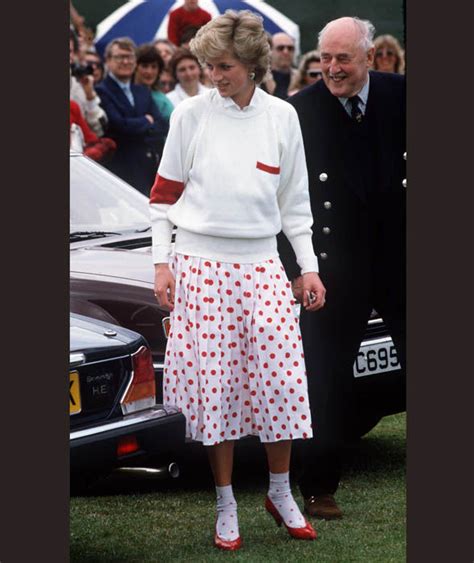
[[356, 113]]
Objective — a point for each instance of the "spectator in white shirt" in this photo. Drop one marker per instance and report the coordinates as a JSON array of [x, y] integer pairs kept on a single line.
[[187, 72]]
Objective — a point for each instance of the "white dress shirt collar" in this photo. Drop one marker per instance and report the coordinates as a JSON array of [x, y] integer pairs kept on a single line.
[[363, 96]]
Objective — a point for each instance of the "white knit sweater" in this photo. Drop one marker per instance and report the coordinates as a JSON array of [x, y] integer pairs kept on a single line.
[[230, 180]]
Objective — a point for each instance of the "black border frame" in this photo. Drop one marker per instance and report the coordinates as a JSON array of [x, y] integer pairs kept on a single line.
[[34, 483], [440, 282], [34, 478]]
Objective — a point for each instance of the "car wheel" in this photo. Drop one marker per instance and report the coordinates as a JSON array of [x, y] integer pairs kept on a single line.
[[362, 424], [80, 484]]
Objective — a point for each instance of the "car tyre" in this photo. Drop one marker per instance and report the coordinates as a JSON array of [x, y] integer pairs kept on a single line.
[[80, 484], [362, 425]]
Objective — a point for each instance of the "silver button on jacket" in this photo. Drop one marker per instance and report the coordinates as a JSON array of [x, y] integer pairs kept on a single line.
[[327, 205], [323, 176], [326, 230], [404, 182], [323, 255]]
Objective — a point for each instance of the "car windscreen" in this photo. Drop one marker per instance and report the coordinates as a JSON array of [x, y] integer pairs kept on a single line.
[[101, 201]]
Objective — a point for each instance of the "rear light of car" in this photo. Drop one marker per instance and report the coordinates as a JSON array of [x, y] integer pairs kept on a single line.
[[141, 391], [127, 445], [166, 324]]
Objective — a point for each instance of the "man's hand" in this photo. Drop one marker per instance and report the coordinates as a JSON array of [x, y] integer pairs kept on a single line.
[[164, 286], [309, 290]]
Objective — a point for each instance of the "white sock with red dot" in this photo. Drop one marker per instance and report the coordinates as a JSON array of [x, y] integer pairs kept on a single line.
[[227, 525], [279, 493]]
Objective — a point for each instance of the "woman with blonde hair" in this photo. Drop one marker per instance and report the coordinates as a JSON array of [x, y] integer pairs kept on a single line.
[[309, 72], [389, 56], [232, 175], [165, 49]]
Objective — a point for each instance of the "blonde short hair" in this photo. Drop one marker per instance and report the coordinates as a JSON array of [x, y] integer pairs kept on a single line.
[[240, 34], [391, 42], [299, 79]]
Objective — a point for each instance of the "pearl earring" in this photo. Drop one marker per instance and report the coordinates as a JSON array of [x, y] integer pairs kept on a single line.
[[252, 75]]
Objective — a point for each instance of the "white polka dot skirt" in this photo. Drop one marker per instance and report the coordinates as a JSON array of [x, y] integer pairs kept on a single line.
[[234, 361]]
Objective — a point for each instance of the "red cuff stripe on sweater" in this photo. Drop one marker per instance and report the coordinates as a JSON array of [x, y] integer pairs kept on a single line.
[[165, 191], [269, 169]]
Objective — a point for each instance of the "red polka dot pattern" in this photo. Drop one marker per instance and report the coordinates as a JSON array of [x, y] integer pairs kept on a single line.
[[234, 361]]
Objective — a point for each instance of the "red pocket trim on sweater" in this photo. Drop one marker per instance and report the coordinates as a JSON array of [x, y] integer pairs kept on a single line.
[[269, 169]]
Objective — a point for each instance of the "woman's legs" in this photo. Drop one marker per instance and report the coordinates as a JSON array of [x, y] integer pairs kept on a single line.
[[278, 456], [279, 492], [221, 458]]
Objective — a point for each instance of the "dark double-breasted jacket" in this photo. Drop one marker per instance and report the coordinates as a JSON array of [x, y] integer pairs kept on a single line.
[[358, 203]]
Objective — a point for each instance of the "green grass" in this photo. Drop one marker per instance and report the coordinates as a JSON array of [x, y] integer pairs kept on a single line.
[[172, 520]]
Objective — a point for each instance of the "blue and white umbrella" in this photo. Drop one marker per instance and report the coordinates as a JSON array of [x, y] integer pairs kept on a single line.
[[146, 20]]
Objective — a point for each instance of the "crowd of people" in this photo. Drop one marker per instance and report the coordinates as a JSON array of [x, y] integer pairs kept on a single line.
[[201, 124], [128, 137]]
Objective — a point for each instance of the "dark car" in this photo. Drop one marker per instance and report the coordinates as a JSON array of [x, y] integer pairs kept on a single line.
[[114, 418], [111, 274]]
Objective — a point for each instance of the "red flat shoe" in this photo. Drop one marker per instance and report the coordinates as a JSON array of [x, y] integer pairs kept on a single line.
[[228, 545], [306, 533]]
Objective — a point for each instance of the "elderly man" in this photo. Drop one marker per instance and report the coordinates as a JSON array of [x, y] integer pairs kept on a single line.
[[353, 124], [135, 122], [283, 54], [189, 15]]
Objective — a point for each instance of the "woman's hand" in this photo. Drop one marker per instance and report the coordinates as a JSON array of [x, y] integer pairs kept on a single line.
[[313, 292], [164, 286], [297, 289]]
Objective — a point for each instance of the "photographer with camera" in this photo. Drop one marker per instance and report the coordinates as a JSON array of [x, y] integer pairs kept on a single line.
[[92, 58], [82, 89]]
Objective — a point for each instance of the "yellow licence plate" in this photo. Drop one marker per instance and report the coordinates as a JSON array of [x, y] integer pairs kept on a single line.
[[74, 393]]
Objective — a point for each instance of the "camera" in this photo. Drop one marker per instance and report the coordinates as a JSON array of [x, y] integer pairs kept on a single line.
[[78, 71]]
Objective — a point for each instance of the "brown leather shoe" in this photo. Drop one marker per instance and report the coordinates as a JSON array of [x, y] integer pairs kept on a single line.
[[322, 506]]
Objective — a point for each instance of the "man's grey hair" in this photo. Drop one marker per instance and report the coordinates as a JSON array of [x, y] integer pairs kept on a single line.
[[124, 43], [367, 32]]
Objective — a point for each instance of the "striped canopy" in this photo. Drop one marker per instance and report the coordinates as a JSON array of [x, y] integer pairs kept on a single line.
[[146, 20]]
